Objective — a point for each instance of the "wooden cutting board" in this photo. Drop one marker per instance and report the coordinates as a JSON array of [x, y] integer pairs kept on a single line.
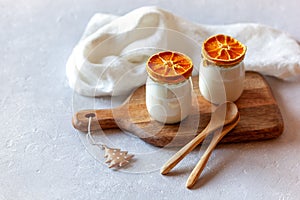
[[260, 117]]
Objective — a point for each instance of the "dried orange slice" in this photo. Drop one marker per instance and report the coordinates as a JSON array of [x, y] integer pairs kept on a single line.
[[223, 50], [169, 67]]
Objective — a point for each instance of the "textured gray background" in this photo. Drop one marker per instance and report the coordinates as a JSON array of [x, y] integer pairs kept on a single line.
[[41, 155]]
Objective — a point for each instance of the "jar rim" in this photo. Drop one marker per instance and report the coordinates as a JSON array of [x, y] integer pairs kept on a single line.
[[212, 63]]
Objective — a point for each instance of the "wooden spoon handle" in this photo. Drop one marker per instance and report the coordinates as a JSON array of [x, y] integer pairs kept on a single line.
[[202, 162], [176, 158], [101, 119]]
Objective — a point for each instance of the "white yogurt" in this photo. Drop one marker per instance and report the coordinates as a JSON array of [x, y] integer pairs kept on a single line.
[[168, 103], [219, 84]]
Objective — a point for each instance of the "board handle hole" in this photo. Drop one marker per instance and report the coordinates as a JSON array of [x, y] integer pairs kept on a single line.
[[90, 115]]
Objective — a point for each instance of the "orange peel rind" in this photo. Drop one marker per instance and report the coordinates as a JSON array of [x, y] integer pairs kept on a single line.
[[169, 67], [223, 50]]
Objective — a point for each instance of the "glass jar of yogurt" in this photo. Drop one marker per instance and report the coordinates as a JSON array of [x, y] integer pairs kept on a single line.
[[222, 71], [169, 87]]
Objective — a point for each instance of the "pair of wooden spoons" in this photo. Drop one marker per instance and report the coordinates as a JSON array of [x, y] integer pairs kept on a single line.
[[226, 116]]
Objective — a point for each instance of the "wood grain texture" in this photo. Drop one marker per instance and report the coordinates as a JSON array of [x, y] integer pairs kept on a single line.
[[260, 117]]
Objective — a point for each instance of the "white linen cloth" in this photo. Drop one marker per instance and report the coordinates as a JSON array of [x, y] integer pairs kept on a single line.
[[111, 55]]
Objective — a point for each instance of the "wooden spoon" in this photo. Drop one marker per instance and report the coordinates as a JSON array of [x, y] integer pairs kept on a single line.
[[223, 115], [202, 162]]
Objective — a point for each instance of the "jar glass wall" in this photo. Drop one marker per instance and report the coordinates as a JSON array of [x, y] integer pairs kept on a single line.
[[219, 84], [168, 103]]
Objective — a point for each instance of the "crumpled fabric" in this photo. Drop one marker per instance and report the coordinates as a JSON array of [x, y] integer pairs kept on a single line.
[[111, 56]]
